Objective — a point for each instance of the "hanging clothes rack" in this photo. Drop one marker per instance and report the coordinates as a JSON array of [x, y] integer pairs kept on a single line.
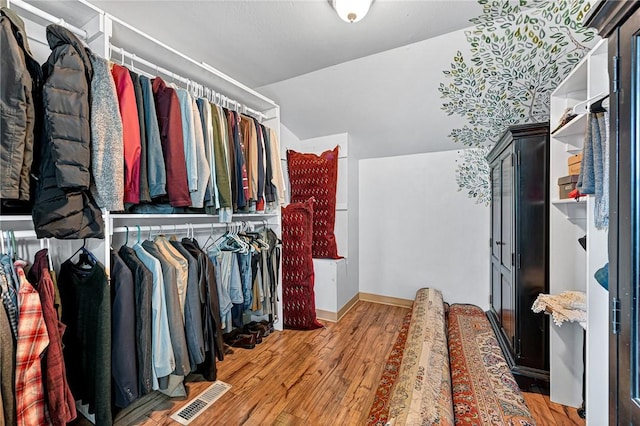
[[27, 233], [201, 64], [215, 97], [157, 68], [182, 226], [49, 17]]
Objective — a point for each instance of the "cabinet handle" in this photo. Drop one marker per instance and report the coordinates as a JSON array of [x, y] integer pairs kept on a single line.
[[500, 243]]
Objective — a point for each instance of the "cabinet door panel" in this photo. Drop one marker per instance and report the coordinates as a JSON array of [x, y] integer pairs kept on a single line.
[[496, 201], [507, 314], [507, 211], [496, 289]]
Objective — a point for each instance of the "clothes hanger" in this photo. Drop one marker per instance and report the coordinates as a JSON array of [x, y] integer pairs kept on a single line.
[[86, 260], [174, 235], [226, 241], [126, 235], [243, 247], [6, 237], [50, 261], [11, 242], [209, 238], [138, 226], [256, 237], [14, 245], [133, 67]]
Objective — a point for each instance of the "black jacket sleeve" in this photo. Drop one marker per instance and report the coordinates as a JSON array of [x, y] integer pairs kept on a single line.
[[66, 102]]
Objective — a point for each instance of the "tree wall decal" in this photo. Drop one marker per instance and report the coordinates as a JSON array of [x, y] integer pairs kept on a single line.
[[520, 52]]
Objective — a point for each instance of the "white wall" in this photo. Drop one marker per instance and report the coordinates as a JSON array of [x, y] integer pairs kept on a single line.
[[417, 230], [288, 140], [353, 261], [389, 101]]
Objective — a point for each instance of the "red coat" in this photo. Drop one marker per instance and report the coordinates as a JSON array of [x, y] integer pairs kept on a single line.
[[130, 132], [170, 123]]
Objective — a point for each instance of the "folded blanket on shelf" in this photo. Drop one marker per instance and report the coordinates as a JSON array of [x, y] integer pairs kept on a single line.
[[566, 306]]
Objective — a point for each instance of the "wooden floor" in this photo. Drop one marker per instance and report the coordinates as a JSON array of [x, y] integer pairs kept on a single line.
[[321, 377], [549, 413]]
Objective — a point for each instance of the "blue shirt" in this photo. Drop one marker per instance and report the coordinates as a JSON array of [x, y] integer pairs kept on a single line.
[[162, 351], [189, 138]]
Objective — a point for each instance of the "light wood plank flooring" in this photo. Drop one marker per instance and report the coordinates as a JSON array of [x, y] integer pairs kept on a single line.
[[321, 377], [549, 413]]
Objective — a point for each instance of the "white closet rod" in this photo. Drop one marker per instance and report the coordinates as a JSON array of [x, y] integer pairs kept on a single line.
[[153, 66], [49, 17], [28, 233], [202, 65], [223, 99], [178, 227]]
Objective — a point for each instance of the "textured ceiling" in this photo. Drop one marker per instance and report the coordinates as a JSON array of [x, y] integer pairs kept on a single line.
[[262, 42]]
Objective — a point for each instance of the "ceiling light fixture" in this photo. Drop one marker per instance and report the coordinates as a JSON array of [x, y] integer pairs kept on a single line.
[[351, 10]]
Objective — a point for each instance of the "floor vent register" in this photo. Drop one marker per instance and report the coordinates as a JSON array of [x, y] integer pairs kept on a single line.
[[193, 409]]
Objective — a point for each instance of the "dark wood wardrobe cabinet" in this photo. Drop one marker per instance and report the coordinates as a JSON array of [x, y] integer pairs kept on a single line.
[[520, 248], [619, 22]]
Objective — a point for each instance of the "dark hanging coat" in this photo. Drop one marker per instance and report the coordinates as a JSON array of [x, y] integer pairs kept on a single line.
[[64, 207], [19, 96]]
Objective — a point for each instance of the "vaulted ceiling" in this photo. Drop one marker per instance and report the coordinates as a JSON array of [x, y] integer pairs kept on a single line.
[[260, 42], [377, 79]]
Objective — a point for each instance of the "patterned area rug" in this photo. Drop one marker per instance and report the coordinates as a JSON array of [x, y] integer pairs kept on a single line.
[[416, 386], [484, 390], [379, 413]]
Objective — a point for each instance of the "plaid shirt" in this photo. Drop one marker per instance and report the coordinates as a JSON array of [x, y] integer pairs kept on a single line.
[[32, 341], [59, 399]]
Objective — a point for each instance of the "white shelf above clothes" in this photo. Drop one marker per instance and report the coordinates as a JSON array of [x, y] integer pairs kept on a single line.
[[16, 218], [570, 201], [573, 211], [572, 130]]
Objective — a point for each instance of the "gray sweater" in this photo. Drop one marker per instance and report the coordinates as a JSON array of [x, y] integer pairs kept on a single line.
[[107, 149]]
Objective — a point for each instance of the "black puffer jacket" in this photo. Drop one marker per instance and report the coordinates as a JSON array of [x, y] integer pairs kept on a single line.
[[19, 98], [64, 207]]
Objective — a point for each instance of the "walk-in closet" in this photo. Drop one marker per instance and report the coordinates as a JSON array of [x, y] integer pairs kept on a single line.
[[173, 244]]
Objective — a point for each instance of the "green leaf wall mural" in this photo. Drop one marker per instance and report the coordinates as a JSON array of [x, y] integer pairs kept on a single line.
[[520, 52]]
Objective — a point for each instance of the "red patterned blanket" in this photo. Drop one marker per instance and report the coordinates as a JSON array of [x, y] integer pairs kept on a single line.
[[484, 390]]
